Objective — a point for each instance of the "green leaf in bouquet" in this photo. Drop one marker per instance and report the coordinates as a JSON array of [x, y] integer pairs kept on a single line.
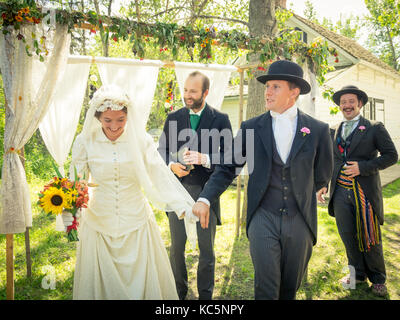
[[57, 171], [73, 235], [76, 174]]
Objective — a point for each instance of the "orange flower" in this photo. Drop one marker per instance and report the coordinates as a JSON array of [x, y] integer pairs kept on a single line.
[[18, 18], [25, 10], [29, 19]]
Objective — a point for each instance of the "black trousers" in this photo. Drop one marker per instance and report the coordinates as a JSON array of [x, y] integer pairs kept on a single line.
[[280, 247], [369, 264], [205, 239]]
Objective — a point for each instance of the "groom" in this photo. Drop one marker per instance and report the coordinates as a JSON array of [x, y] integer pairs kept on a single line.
[[204, 131], [292, 159]]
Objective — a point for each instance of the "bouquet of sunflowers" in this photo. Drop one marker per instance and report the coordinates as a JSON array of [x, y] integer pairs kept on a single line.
[[63, 194]]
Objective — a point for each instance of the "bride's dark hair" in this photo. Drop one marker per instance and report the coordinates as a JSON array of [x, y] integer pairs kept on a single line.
[[98, 113]]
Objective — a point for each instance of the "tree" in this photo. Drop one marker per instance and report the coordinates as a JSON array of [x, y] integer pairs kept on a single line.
[[309, 12], [384, 23]]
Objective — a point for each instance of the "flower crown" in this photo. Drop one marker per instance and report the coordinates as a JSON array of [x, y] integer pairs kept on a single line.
[[110, 97]]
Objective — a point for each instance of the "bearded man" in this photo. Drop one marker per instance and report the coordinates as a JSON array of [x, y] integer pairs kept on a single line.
[[201, 134]]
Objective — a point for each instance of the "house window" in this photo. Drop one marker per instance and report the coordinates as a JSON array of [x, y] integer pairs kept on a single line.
[[374, 109], [303, 36]]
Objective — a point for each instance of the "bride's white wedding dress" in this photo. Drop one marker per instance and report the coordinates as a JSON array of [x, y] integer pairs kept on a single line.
[[121, 254]]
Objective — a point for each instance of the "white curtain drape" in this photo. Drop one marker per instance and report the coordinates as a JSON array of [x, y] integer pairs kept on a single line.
[[218, 74], [138, 78], [29, 86], [58, 127]]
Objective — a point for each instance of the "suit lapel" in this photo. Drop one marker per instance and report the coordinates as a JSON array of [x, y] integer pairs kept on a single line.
[[265, 132], [184, 120], [358, 134], [206, 119], [335, 147], [300, 138]]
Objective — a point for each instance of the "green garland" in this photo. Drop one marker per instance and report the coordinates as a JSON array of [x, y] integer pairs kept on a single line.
[[173, 37]]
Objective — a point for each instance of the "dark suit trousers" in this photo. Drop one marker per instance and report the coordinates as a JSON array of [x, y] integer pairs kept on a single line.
[[280, 247], [366, 264], [206, 266]]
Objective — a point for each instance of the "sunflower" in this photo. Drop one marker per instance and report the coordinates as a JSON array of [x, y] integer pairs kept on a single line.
[[54, 200]]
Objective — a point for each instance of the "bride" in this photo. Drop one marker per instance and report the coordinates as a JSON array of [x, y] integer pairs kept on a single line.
[[121, 254]]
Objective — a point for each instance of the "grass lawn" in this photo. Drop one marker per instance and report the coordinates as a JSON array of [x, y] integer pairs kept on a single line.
[[234, 279]]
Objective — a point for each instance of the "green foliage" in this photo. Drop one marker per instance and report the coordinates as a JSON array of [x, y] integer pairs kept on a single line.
[[384, 24]]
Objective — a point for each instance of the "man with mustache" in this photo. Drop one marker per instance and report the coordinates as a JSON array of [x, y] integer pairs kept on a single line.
[[356, 191], [205, 132]]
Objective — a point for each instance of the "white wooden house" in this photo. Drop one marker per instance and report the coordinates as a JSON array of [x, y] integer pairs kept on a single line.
[[356, 66]]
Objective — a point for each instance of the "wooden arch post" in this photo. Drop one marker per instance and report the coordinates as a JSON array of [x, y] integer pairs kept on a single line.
[[239, 177]]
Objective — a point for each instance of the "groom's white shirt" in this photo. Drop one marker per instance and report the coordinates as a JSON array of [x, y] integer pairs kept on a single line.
[[284, 128]]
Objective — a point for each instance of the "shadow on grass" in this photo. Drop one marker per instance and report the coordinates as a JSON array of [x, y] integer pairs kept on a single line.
[[238, 279], [362, 292]]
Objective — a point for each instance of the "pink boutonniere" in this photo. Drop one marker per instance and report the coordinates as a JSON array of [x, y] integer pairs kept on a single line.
[[305, 131], [362, 128]]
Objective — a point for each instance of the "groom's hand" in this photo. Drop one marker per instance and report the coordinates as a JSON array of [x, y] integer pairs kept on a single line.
[[202, 211]]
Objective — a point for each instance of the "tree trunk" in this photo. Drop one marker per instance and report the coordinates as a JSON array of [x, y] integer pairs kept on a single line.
[[392, 49], [262, 23]]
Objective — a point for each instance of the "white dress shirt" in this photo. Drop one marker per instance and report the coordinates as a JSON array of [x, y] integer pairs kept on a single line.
[[284, 128]]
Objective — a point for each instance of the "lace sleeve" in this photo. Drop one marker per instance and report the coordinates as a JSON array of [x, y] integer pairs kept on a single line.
[[79, 159]]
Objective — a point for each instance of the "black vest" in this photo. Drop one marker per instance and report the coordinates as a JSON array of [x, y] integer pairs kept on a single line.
[[279, 198]]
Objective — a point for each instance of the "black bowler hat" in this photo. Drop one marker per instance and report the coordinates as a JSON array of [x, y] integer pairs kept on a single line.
[[286, 70], [350, 89]]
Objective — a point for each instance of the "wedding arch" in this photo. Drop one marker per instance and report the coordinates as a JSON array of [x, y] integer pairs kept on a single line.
[[49, 95]]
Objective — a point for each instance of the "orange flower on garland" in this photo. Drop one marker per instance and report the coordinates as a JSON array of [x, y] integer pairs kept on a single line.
[[18, 18]]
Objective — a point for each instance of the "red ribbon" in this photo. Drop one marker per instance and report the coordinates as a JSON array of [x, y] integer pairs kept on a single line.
[[73, 226]]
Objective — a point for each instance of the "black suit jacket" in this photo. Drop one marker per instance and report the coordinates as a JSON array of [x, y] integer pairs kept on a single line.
[[311, 164], [208, 140], [364, 147]]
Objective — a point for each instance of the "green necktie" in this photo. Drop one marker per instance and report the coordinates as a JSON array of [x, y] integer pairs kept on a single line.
[[348, 125], [194, 121]]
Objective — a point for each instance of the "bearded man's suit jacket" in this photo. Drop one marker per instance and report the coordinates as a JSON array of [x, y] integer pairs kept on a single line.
[[207, 142]]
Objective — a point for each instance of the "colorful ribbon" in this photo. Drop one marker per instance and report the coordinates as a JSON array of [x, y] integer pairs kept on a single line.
[[366, 220]]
